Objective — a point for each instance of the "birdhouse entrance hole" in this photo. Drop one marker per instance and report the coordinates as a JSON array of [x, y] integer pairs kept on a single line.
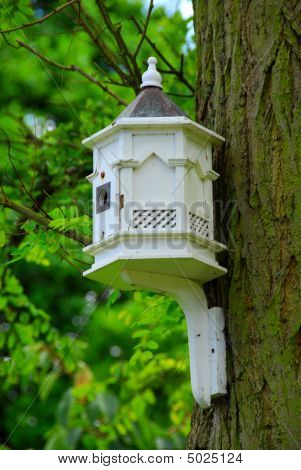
[[103, 197]]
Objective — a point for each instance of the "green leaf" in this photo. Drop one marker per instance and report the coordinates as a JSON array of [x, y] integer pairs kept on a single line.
[[73, 437], [57, 439], [151, 345], [13, 286], [2, 238], [48, 384], [140, 333], [64, 408], [107, 403], [112, 299], [11, 340], [146, 356], [25, 333], [172, 307], [29, 226], [24, 317]]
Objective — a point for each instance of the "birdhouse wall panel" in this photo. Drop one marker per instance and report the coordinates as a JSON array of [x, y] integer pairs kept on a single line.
[[196, 198], [208, 187], [153, 200], [108, 151], [153, 182], [180, 143], [105, 191], [126, 145], [147, 142], [95, 159], [208, 158], [126, 193], [194, 192], [95, 178], [116, 198], [178, 193], [195, 150], [209, 203]]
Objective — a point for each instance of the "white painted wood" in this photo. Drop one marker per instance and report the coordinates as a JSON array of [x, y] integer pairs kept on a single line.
[[126, 190], [105, 222], [126, 145], [93, 179], [180, 141], [212, 175], [178, 194], [147, 142], [158, 123], [151, 77], [146, 238], [152, 183]]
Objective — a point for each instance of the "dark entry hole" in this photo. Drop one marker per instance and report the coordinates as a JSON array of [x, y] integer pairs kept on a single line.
[[103, 197]]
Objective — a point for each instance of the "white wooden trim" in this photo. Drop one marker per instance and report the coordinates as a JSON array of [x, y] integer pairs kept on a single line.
[[213, 245], [155, 123]]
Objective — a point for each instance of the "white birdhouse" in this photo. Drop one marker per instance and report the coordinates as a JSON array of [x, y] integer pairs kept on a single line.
[[153, 218]]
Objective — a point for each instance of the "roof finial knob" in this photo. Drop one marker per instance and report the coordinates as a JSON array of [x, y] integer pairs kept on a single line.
[[151, 77]]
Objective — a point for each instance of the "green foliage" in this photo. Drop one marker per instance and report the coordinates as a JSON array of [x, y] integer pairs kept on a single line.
[[80, 367], [130, 404]]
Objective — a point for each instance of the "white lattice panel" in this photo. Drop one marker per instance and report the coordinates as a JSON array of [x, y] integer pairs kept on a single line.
[[156, 219], [199, 225]]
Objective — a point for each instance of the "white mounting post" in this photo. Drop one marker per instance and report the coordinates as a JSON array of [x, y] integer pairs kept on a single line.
[[205, 326]]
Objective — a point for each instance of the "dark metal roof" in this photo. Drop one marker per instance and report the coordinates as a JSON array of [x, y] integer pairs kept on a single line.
[[151, 102]]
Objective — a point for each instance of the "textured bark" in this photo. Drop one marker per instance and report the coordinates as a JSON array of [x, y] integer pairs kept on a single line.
[[248, 90]]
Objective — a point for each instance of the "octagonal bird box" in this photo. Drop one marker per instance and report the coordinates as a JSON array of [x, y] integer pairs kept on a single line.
[[153, 217]]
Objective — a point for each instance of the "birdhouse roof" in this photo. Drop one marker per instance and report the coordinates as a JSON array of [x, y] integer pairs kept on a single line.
[[151, 102], [152, 108]]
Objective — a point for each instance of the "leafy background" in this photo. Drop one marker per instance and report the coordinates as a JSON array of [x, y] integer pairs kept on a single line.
[[81, 366]]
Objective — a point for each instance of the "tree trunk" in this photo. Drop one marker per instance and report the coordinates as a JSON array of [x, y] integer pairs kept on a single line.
[[248, 90]]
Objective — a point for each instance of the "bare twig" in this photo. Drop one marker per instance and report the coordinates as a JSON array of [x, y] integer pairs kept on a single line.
[[18, 174], [91, 28], [40, 20], [171, 70], [73, 68], [149, 12], [64, 255], [182, 64], [110, 81], [128, 57]]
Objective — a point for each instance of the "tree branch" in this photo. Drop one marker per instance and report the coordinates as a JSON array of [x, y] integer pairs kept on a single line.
[[28, 192], [74, 68], [41, 220], [149, 12], [171, 70], [40, 20], [125, 53], [107, 53]]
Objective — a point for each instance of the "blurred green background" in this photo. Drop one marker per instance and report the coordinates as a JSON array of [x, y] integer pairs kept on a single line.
[[81, 366]]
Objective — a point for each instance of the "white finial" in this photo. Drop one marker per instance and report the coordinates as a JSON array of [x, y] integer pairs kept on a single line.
[[151, 77]]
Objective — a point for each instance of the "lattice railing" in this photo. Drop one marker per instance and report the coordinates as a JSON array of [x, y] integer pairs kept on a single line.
[[198, 225], [154, 219]]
